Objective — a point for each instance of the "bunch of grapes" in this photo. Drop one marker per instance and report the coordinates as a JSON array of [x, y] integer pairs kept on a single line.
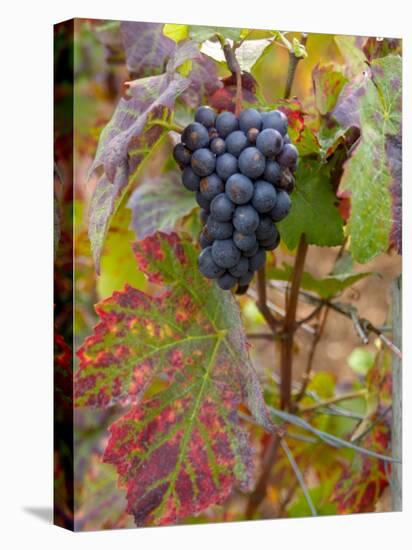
[[241, 169]]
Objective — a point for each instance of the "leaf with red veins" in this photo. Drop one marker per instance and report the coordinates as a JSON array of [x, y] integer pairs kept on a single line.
[[181, 449], [364, 481]]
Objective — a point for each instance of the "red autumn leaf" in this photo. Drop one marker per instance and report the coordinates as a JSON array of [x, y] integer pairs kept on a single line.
[[180, 357]]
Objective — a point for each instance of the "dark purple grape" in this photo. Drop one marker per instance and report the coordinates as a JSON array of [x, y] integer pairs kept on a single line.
[[287, 181], [251, 162], [258, 260], [207, 266], [236, 142], [288, 156], [264, 196], [203, 215], [222, 208], [245, 279], [211, 186], [250, 118], [275, 120], [286, 139], [251, 252], [202, 201], [218, 146], [241, 268], [273, 172], [245, 243], [282, 206], [269, 142], [239, 189], [270, 243], [218, 230], [195, 136], [227, 281], [226, 123], [181, 154], [225, 253], [246, 219], [206, 116], [252, 135], [203, 162], [190, 180], [226, 165], [266, 228], [204, 241]]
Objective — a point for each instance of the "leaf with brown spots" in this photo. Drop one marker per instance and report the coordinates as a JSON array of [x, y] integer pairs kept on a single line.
[[180, 357], [372, 175]]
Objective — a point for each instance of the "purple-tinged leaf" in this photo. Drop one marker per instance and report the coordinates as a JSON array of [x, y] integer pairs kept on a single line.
[[328, 82], [158, 204], [147, 49], [372, 175]]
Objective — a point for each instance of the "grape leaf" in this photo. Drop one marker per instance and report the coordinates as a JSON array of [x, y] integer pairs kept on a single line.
[[326, 288], [351, 49], [364, 481], [373, 171], [247, 54], [181, 447], [328, 81], [199, 33], [159, 203], [313, 211], [147, 49]]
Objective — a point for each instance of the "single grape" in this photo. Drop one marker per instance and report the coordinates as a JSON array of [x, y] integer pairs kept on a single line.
[[226, 165], [211, 186], [218, 146], [286, 139], [245, 243], [204, 241], [190, 180], [226, 123], [270, 243], [227, 281], [181, 154], [275, 120], [251, 162], [245, 279], [273, 172], [251, 252], [225, 253], [195, 136], [236, 142], [241, 268], [202, 201], [266, 228], [207, 266], [222, 208], [269, 142], [246, 219], [239, 189], [258, 260], [213, 133], [206, 116], [264, 196], [250, 118], [252, 134], [287, 181], [288, 157], [204, 214], [282, 206], [203, 162], [218, 230]]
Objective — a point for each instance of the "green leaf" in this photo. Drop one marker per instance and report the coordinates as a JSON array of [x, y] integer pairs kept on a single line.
[[118, 265], [326, 287], [176, 32], [200, 34], [158, 204], [361, 360], [328, 81], [185, 68], [351, 49], [250, 52], [180, 357], [313, 211], [371, 173]]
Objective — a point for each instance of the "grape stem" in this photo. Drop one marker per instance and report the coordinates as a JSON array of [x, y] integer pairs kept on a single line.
[[234, 67], [293, 65]]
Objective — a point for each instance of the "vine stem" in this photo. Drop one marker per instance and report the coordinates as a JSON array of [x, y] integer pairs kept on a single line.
[[289, 327]]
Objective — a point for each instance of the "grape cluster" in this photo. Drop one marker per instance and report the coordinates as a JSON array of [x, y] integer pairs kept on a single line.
[[241, 169]]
